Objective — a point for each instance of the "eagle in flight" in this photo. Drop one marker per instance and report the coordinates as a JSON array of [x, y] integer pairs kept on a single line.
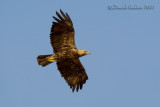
[[65, 52]]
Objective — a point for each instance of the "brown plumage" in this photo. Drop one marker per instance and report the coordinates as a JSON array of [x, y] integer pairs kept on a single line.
[[65, 52]]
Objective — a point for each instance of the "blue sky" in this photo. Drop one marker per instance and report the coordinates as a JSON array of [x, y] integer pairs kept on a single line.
[[123, 68]]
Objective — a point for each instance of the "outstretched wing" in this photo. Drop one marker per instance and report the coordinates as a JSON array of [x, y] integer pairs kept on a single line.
[[62, 32], [73, 72]]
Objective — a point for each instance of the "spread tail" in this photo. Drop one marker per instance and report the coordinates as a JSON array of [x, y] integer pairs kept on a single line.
[[44, 60]]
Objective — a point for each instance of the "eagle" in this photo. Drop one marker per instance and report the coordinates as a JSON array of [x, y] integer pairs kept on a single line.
[[66, 55]]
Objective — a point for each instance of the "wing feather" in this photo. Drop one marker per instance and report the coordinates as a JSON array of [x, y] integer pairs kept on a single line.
[[73, 72], [63, 14], [68, 18], [59, 16], [57, 19], [62, 32]]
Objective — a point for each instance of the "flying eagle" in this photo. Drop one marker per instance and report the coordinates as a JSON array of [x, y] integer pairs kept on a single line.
[[65, 52]]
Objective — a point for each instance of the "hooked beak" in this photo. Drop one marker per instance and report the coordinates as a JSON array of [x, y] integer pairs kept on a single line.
[[87, 53]]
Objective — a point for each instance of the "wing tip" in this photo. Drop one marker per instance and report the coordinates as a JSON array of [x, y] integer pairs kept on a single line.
[[78, 86], [62, 16]]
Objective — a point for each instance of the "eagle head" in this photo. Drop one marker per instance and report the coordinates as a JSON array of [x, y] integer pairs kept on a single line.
[[83, 52]]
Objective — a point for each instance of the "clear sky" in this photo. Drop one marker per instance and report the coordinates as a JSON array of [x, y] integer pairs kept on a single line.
[[123, 68]]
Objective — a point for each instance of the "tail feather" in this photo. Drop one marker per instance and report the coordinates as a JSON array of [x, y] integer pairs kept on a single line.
[[45, 60]]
